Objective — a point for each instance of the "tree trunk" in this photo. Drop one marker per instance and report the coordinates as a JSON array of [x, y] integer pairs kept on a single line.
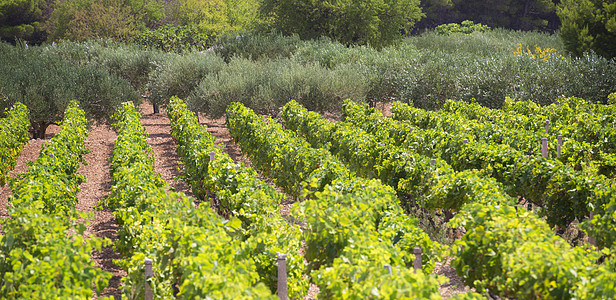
[[155, 107], [39, 129]]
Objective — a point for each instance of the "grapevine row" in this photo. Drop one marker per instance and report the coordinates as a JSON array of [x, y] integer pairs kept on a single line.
[[239, 193], [354, 226], [195, 253], [43, 253], [502, 244], [591, 125], [13, 136], [564, 192], [588, 130]]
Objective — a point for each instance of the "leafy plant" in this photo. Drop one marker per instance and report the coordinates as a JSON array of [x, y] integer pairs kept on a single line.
[[43, 252], [13, 136], [465, 27]]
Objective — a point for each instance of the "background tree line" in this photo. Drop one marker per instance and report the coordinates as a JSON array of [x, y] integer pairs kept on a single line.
[[166, 24]]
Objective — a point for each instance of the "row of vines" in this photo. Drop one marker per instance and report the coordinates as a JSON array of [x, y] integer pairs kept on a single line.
[[43, 253], [356, 182]]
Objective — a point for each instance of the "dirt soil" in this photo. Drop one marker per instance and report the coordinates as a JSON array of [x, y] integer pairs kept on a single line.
[[167, 163]]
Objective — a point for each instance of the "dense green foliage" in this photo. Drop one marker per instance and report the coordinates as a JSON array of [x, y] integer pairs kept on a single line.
[[510, 14], [512, 252], [13, 136], [377, 23], [175, 39], [498, 151], [505, 250], [45, 82], [588, 129], [43, 253], [594, 192], [435, 76], [179, 75], [268, 84], [193, 250], [466, 27], [342, 214], [80, 20], [588, 25], [23, 19], [236, 191], [256, 46], [150, 21]]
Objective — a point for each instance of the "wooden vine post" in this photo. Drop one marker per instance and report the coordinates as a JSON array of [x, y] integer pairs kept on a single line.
[[148, 295], [417, 263], [544, 147], [559, 145], [282, 277]]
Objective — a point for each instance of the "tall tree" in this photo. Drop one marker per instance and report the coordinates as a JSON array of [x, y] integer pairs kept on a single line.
[[23, 19], [374, 22], [209, 16], [83, 19], [588, 25]]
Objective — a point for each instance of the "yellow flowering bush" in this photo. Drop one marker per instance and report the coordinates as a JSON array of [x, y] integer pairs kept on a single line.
[[537, 53]]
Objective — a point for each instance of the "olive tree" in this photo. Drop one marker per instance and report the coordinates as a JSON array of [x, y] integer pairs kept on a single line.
[[46, 83]]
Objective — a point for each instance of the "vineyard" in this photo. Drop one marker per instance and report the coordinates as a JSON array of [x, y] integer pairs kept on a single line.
[[510, 181]]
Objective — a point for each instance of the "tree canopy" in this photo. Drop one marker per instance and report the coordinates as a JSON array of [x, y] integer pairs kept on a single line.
[[22, 19], [588, 25], [374, 22]]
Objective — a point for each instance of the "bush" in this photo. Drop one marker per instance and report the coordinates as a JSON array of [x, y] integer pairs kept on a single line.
[[80, 20], [179, 75], [588, 25], [378, 23], [178, 39], [466, 27], [45, 83], [130, 62], [488, 43], [267, 85], [256, 46], [438, 76]]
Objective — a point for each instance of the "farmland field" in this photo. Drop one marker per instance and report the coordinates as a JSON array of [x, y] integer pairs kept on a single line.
[[443, 195], [464, 166]]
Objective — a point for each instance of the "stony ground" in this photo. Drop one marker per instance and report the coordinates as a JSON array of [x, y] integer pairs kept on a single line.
[[167, 163]]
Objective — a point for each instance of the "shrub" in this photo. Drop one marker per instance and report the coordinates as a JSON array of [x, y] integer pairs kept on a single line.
[[588, 25], [438, 76], [466, 27], [256, 46], [45, 83], [378, 23], [267, 85], [178, 39], [179, 75], [79, 20], [130, 62]]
